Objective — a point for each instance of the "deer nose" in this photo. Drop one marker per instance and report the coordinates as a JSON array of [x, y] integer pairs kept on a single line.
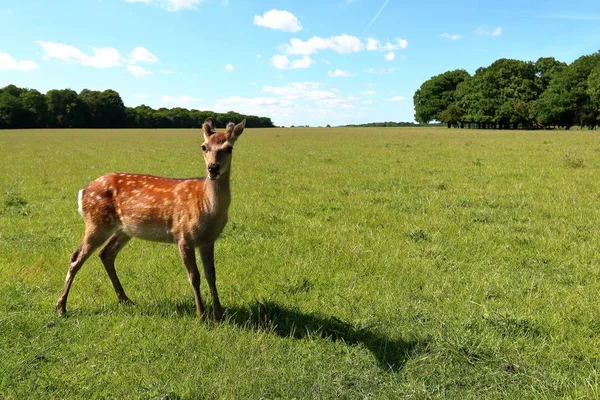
[[213, 168]]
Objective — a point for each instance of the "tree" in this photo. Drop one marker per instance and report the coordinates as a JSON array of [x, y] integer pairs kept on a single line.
[[593, 91], [11, 108], [546, 69], [103, 109], [437, 94], [567, 102], [65, 109], [28, 108], [500, 95], [36, 107], [453, 115]]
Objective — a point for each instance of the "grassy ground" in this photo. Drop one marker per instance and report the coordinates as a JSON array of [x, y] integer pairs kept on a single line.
[[357, 263]]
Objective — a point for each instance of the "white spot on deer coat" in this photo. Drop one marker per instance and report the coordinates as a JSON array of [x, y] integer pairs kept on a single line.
[[80, 202]]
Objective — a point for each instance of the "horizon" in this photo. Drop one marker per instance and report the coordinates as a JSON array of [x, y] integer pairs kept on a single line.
[[281, 60]]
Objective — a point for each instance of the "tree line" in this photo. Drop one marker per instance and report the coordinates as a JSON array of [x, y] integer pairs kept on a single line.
[[515, 94], [65, 108]]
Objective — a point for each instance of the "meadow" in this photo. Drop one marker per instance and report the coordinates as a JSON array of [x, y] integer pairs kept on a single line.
[[357, 263]]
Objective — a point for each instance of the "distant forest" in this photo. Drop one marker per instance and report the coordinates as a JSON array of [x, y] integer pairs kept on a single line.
[[28, 108], [514, 94]]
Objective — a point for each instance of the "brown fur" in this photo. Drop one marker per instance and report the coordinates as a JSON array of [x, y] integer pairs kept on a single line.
[[189, 212]]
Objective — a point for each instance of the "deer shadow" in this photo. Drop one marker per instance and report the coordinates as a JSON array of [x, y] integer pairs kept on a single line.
[[268, 316]]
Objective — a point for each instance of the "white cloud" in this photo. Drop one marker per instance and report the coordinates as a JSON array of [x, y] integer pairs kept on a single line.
[[284, 111], [271, 106], [338, 73], [375, 45], [103, 57], [182, 101], [280, 20], [289, 104], [338, 102], [381, 71], [282, 62], [166, 71], [368, 92], [300, 90], [342, 44], [368, 102], [484, 30], [396, 98], [450, 36], [9, 63], [141, 54], [229, 67], [372, 44], [142, 95], [390, 56], [171, 5], [176, 5], [138, 71]]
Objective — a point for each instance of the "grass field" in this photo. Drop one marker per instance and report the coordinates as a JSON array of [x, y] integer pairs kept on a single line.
[[357, 263]]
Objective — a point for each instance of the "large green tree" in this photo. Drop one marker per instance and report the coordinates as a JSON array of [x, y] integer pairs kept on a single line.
[[593, 91], [11, 107], [499, 95], [65, 108], [103, 109], [437, 94], [567, 102], [36, 107]]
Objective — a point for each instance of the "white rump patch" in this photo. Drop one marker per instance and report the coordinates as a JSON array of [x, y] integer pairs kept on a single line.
[[80, 202]]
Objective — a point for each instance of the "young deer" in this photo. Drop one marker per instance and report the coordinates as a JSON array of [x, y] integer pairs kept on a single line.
[[189, 212]]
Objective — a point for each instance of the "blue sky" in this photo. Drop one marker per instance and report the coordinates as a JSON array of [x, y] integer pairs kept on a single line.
[[312, 62]]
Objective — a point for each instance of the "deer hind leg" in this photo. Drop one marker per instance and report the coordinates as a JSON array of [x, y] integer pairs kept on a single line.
[[108, 254], [188, 255], [92, 239], [207, 254]]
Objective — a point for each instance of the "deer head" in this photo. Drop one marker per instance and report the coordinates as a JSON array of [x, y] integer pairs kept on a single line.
[[218, 147]]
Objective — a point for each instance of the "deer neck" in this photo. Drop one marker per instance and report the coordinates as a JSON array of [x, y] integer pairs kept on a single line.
[[218, 194]]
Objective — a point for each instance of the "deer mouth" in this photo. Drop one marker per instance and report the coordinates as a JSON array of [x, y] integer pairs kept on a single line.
[[214, 176]]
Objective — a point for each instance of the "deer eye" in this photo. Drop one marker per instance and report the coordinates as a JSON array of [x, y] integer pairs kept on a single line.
[[204, 148]]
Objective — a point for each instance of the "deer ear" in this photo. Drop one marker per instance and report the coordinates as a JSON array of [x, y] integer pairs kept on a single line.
[[208, 128], [236, 131], [229, 129]]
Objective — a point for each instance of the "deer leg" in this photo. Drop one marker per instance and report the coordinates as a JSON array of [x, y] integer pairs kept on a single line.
[[186, 250], [108, 254], [207, 254], [91, 241]]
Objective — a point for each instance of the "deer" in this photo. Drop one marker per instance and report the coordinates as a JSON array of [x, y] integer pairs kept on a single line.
[[189, 212]]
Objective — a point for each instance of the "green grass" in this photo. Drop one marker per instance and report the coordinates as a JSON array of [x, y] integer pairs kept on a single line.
[[357, 263]]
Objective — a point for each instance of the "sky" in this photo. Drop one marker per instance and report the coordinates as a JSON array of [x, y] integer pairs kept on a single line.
[[300, 62]]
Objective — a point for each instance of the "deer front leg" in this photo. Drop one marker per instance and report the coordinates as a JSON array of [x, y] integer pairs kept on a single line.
[[186, 250], [207, 254]]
